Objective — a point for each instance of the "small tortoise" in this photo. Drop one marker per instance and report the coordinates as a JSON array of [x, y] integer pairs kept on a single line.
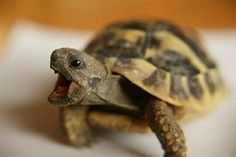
[[136, 76]]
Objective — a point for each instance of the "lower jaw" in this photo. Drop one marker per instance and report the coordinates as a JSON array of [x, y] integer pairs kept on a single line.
[[59, 96], [62, 101]]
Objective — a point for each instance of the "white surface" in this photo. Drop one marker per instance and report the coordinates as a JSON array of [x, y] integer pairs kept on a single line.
[[29, 124]]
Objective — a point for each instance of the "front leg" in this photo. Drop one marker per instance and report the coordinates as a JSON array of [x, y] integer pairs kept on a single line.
[[74, 123], [117, 122], [161, 120]]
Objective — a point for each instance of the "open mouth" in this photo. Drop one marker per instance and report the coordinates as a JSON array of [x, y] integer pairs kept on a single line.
[[60, 91]]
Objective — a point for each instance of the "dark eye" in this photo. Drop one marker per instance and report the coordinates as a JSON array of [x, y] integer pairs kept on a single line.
[[75, 63]]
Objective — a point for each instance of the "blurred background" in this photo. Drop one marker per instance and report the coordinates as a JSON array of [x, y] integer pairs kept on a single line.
[[94, 14], [31, 29]]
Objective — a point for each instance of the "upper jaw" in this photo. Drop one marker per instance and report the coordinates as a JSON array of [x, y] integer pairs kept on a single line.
[[61, 70]]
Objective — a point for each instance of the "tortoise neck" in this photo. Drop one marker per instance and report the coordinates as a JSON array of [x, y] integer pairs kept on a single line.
[[112, 90]]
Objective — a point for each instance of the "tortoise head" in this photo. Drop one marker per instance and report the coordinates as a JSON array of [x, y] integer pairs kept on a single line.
[[79, 74]]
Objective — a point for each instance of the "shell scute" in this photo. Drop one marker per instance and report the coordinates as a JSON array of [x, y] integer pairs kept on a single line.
[[163, 60]]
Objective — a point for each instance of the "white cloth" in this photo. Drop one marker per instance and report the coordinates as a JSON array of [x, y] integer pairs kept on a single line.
[[29, 125]]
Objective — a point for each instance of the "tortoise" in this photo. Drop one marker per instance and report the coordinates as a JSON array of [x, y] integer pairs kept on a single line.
[[136, 76]]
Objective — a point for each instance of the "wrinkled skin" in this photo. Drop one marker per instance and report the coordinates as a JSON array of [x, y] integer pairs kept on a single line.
[[82, 74], [84, 82]]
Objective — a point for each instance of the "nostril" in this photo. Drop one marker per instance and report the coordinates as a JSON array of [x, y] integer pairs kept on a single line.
[[54, 55]]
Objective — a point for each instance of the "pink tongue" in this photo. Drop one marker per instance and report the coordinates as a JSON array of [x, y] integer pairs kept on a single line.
[[59, 92], [62, 87]]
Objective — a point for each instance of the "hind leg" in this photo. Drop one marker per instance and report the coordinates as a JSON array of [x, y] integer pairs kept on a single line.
[[117, 122], [75, 126]]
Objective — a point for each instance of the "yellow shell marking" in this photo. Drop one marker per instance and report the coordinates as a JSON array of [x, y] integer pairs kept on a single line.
[[130, 35], [139, 69], [171, 42]]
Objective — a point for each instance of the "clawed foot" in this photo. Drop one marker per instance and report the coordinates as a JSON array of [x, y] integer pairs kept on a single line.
[[81, 140], [75, 126]]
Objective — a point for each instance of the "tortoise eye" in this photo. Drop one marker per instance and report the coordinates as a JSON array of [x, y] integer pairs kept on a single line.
[[75, 63]]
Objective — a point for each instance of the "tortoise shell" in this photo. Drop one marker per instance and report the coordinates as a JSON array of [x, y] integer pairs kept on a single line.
[[163, 60]]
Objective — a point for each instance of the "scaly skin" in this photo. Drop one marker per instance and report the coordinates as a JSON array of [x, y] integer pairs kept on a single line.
[[117, 122], [162, 122], [75, 125]]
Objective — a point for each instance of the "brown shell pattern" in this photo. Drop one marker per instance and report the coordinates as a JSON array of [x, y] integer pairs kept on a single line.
[[162, 59]]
